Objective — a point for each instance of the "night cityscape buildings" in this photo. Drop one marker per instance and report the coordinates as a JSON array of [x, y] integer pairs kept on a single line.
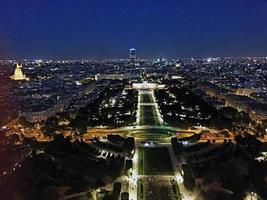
[[165, 128], [82, 117]]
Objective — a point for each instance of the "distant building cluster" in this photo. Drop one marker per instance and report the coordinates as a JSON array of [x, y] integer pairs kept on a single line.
[[60, 106], [240, 101], [56, 86], [235, 82], [53, 85]]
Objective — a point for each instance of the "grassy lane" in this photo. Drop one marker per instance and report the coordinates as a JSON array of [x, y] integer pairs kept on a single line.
[[146, 98], [148, 115], [154, 161]]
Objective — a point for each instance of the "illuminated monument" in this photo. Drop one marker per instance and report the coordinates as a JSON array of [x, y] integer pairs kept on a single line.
[[18, 74]]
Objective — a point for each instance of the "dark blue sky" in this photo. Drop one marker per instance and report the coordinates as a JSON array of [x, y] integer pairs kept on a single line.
[[107, 28]]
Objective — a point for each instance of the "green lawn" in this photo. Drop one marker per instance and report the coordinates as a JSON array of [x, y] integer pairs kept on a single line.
[[148, 115], [146, 98], [154, 161]]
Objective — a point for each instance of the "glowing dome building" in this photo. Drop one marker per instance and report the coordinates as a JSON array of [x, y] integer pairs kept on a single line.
[[18, 74]]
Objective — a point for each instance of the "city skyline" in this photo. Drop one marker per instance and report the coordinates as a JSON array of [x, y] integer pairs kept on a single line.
[[133, 100], [105, 29]]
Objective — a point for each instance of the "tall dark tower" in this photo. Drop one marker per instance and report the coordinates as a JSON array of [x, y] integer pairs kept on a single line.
[[132, 54]]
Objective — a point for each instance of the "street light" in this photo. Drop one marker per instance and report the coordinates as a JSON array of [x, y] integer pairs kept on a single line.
[[252, 196]]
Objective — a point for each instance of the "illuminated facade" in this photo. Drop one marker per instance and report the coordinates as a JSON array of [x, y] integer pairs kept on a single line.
[[147, 85], [18, 74]]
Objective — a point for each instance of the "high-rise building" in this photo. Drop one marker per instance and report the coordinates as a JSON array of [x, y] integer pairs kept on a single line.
[[132, 53]]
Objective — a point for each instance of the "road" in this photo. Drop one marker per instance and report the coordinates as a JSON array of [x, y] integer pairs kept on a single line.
[[177, 168], [133, 178]]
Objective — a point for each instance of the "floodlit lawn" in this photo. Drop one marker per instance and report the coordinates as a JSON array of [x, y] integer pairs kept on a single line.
[[154, 161], [146, 98], [148, 115]]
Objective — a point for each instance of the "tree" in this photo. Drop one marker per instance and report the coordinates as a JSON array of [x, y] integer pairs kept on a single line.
[[260, 131], [229, 112]]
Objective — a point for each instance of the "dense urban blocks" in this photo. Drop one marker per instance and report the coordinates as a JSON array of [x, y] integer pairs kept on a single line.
[[154, 161]]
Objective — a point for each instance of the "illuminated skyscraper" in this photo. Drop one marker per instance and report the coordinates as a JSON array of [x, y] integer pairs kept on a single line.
[[132, 53]]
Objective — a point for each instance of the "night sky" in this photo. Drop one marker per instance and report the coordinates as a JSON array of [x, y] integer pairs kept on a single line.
[[43, 29]]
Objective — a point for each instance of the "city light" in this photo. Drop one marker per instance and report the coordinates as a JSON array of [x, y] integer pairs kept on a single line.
[[133, 100]]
